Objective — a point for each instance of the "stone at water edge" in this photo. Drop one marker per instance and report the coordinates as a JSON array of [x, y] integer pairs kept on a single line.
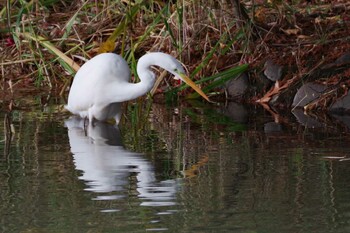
[[308, 93], [272, 70], [237, 87], [342, 105]]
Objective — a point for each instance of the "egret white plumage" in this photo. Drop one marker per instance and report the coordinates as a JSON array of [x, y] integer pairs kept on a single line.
[[102, 83]]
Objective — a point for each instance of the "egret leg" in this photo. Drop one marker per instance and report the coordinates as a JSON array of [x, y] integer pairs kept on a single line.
[[85, 125], [91, 118], [117, 118]]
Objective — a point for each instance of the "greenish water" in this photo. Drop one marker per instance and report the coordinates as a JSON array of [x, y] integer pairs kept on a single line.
[[183, 169]]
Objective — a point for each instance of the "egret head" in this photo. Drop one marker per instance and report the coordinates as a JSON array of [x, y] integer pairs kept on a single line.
[[172, 65]]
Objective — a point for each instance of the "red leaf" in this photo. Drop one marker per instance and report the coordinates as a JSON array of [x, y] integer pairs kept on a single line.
[[9, 42]]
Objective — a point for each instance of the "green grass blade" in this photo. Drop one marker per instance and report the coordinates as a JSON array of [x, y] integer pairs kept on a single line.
[[69, 24], [151, 27], [220, 79], [108, 45], [45, 43]]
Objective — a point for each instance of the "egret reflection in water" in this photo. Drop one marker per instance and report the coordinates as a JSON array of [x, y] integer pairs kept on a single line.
[[107, 166]]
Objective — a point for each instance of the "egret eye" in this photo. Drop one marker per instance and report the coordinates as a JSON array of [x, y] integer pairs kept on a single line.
[[178, 71]]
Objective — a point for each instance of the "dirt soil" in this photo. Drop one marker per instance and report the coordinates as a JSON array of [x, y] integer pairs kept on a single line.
[[311, 45]]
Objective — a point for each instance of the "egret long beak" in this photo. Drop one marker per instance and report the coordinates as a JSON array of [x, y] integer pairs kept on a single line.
[[189, 82]]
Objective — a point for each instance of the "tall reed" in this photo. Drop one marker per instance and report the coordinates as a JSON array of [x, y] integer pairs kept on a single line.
[[53, 38]]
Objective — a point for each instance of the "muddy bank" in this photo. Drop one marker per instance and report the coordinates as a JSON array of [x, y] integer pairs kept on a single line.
[[299, 60], [323, 89]]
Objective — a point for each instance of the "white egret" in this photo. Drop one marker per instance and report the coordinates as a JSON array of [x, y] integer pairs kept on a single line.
[[102, 83]]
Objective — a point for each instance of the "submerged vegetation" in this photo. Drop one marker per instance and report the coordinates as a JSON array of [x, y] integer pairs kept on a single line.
[[43, 43]]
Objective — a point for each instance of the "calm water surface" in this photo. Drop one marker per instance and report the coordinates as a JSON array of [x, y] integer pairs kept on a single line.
[[176, 169]]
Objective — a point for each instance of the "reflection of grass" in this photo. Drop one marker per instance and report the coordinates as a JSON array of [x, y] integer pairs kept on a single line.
[[154, 133], [135, 126], [211, 116]]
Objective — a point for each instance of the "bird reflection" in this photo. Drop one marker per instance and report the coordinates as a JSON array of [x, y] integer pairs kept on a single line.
[[106, 165]]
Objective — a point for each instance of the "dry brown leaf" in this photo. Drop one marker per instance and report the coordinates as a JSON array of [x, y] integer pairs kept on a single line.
[[293, 31], [276, 89], [303, 37]]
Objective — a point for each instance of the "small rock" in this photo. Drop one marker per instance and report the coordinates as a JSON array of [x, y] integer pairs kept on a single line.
[[306, 120], [308, 93], [344, 119], [341, 61], [341, 105], [237, 87], [344, 59], [272, 70], [272, 127], [237, 112]]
